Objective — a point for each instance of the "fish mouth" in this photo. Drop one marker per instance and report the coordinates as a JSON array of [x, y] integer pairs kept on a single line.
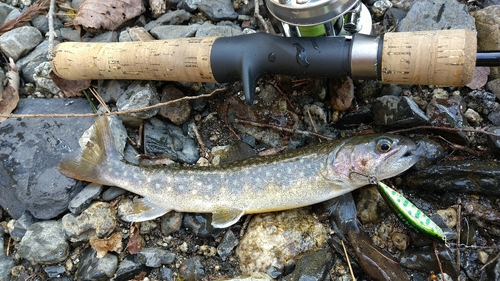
[[402, 159]]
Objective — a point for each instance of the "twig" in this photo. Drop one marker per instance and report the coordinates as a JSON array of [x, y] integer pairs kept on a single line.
[[56, 115], [200, 141], [100, 99], [348, 260], [282, 129], [7, 251], [226, 122], [52, 33], [455, 146], [312, 123], [459, 217], [282, 94], [259, 17], [490, 262], [33, 10], [438, 260], [471, 130]]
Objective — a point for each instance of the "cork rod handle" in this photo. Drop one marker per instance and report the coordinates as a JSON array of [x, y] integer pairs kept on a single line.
[[184, 59], [443, 57]]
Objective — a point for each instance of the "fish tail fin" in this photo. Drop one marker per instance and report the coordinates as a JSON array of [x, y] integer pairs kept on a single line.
[[92, 162]]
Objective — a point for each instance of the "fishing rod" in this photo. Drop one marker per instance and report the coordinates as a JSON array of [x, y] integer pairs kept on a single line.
[[323, 39]]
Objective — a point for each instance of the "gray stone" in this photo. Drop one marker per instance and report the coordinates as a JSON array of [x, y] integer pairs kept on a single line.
[[106, 37], [437, 15], [44, 242], [28, 63], [18, 42], [98, 220], [494, 117], [494, 87], [192, 269], [176, 17], [229, 241], [218, 10], [155, 257], [189, 5], [93, 268], [208, 29], [168, 140], [5, 10], [41, 22], [30, 154], [6, 262], [42, 79], [54, 270], [69, 34], [111, 193], [129, 268], [139, 94], [178, 112], [22, 224], [170, 222], [398, 112], [82, 200], [174, 31], [111, 90], [494, 141]]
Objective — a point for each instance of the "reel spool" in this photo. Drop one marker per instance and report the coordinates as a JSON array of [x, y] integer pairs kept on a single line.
[[313, 18]]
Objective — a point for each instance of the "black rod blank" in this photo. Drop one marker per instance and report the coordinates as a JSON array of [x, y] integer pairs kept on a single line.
[[488, 58]]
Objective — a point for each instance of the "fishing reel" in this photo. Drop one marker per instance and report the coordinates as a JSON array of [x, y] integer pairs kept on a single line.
[[314, 18]]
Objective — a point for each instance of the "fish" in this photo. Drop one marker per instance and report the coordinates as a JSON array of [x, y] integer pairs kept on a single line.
[[298, 178]]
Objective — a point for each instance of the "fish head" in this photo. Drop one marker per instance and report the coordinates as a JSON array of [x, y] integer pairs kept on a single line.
[[380, 156]]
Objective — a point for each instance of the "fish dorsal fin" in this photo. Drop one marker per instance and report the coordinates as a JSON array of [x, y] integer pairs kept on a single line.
[[143, 210], [223, 217]]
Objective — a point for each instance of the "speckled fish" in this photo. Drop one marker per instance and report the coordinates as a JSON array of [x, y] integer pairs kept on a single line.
[[302, 177]]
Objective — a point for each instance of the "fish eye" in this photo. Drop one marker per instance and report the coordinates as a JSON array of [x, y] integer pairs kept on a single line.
[[384, 145]]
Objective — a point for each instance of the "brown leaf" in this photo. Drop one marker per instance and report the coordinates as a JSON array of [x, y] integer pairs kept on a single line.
[[480, 77], [71, 88], [110, 244], [10, 95], [96, 14], [134, 244]]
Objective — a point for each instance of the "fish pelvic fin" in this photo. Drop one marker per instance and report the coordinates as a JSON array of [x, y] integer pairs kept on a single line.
[[91, 162]]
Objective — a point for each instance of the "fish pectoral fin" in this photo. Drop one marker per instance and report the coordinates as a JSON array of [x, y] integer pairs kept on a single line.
[[223, 217], [143, 210]]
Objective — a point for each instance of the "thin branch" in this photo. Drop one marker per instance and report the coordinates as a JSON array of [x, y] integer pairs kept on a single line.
[[490, 262], [259, 17], [56, 115], [52, 33], [471, 130], [348, 261], [282, 129]]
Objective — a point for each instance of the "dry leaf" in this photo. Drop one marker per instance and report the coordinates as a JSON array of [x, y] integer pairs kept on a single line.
[[110, 244], [480, 77], [71, 88], [134, 244], [10, 95], [96, 14]]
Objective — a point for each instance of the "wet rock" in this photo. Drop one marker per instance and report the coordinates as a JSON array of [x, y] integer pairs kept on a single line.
[[342, 91], [449, 216], [138, 94], [364, 92], [19, 41], [367, 206], [176, 17], [312, 267], [111, 90], [41, 22], [82, 200], [448, 113], [192, 269], [424, 259], [111, 193], [207, 29], [21, 225], [392, 17], [200, 224], [174, 31], [44, 242], [54, 270], [218, 10], [429, 152], [287, 235], [229, 241], [98, 220], [398, 112], [436, 15], [468, 176], [178, 112], [6, 262], [129, 268], [30, 153], [167, 140], [472, 116], [92, 268], [69, 34], [379, 7], [488, 32], [171, 222], [155, 257]]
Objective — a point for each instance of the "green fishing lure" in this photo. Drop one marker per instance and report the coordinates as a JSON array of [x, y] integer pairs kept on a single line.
[[409, 213]]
